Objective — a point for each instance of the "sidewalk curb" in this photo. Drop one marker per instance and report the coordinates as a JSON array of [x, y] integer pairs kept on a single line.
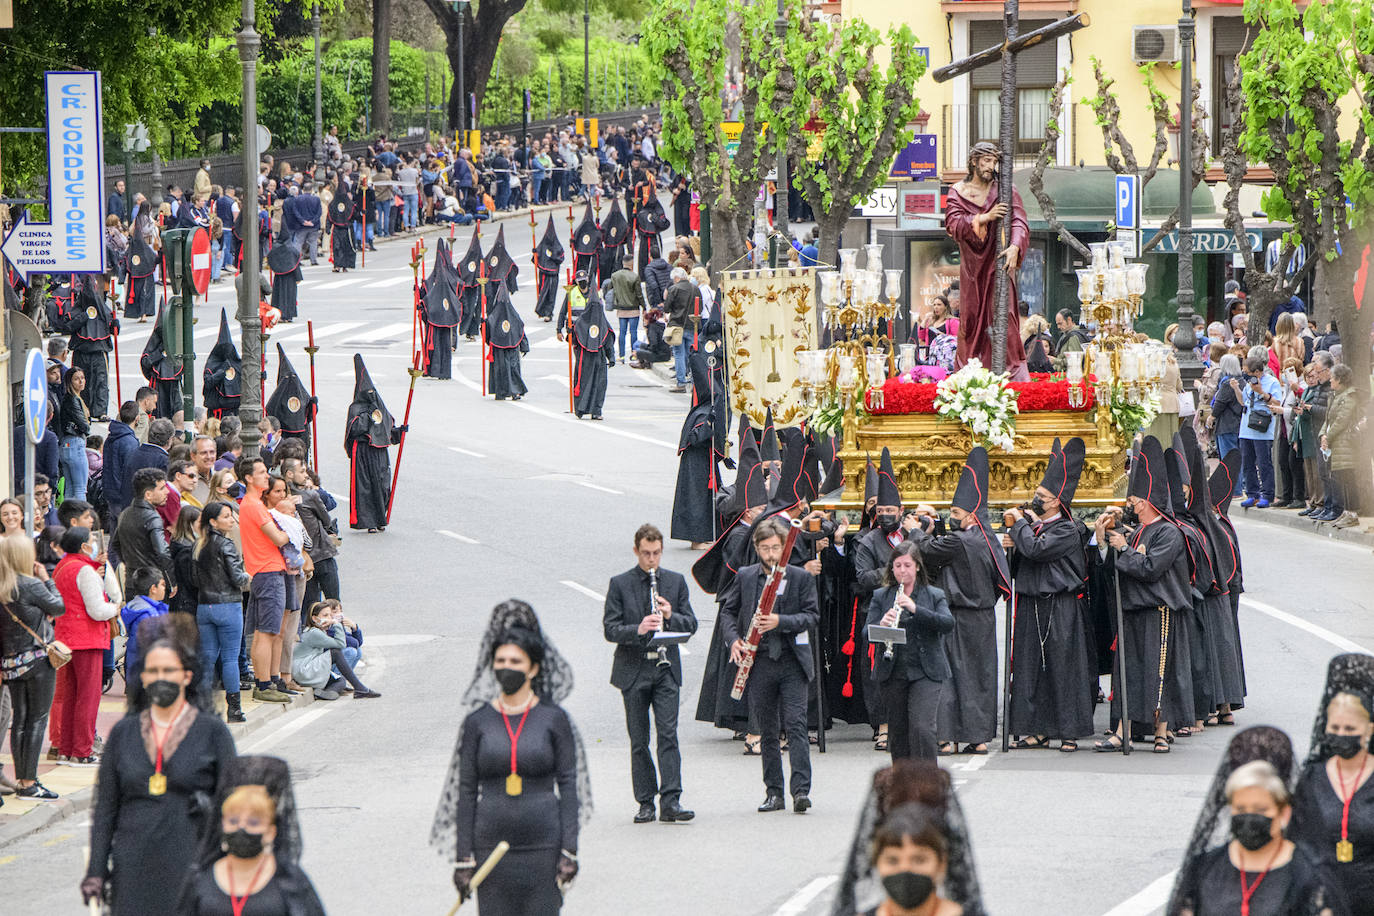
[[1283, 518], [69, 805]]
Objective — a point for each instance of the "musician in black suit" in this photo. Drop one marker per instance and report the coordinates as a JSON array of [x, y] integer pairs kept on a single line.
[[647, 677], [783, 666], [913, 679]]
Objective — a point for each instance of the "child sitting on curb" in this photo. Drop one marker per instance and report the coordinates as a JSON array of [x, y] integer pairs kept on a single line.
[[320, 653]]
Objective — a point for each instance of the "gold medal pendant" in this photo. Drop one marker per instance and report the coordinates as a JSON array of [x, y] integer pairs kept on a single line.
[[1345, 851], [157, 784], [514, 785]]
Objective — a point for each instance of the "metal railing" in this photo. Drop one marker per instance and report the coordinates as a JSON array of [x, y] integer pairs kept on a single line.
[[961, 126]]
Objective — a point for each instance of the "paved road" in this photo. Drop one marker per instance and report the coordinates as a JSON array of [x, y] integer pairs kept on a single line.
[[520, 499]]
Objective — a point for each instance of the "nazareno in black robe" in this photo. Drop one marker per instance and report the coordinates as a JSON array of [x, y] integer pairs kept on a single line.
[[342, 252], [586, 242], [501, 269], [702, 445], [614, 230], [469, 275], [593, 355], [548, 261], [439, 314], [162, 372], [368, 433], [291, 402], [285, 261], [140, 295], [505, 338], [222, 388]]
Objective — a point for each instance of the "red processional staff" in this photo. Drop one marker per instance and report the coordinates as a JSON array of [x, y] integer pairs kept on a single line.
[[311, 350]]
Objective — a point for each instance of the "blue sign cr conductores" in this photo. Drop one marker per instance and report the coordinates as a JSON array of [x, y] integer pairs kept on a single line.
[[35, 395]]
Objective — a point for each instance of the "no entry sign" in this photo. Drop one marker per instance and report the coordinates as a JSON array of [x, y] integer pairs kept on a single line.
[[200, 261]]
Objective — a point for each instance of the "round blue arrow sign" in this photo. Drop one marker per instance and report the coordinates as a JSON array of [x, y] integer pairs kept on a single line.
[[35, 395]]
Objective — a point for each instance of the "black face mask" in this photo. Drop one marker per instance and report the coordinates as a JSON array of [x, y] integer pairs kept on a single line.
[[163, 693], [908, 889], [1037, 505], [953, 524], [243, 844], [510, 680], [889, 523], [1251, 830], [1130, 516], [1345, 746]]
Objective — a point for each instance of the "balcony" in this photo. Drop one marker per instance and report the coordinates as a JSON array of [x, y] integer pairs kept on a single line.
[[961, 126]]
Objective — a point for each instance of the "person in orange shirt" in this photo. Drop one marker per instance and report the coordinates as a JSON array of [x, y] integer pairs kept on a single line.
[[262, 559]]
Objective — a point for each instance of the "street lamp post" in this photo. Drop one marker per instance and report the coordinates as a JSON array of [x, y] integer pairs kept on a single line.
[[586, 64], [1184, 339], [461, 6], [319, 101], [250, 325]]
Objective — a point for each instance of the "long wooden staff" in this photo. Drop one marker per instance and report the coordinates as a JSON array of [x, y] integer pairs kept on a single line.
[[572, 398], [311, 349], [481, 874]]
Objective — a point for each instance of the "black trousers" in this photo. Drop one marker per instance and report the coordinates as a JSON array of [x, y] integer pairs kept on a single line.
[[912, 710], [1292, 478], [97, 392], [777, 702], [31, 697], [654, 689], [324, 584]]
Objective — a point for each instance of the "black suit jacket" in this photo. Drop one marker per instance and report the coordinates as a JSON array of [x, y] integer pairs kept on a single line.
[[925, 634], [800, 613], [627, 603]]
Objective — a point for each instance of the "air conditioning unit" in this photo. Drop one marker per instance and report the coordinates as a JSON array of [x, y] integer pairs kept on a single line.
[[1155, 44]]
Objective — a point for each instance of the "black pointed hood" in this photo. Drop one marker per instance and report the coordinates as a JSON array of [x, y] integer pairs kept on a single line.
[[701, 375], [470, 267], [1064, 468], [441, 301], [341, 207], [768, 439], [832, 465], [505, 328], [283, 258], [141, 258], [870, 481], [499, 263], [971, 493], [587, 235], [889, 494], [443, 264], [290, 402], [1177, 475], [1150, 476], [808, 478], [1197, 472], [548, 257], [91, 315], [614, 228], [750, 489], [157, 366], [791, 485], [592, 329], [367, 410], [223, 367], [1221, 486]]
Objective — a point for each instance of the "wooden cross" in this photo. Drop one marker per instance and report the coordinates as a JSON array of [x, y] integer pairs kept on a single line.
[[1012, 44], [772, 340]]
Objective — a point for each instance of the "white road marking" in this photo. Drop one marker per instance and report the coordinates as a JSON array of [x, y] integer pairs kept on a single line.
[[290, 728], [389, 281], [334, 284], [1322, 633], [463, 451], [592, 486], [458, 537], [798, 902], [387, 330], [560, 379], [1148, 900], [332, 329], [596, 596]]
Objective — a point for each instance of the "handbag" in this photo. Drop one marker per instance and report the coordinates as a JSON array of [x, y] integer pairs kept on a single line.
[[58, 653], [1186, 405], [673, 336], [1260, 417]]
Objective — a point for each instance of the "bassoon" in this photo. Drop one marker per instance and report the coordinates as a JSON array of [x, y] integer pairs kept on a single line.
[[765, 607]]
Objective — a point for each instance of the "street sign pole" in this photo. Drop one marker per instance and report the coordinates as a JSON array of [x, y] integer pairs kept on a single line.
[[35, 421]]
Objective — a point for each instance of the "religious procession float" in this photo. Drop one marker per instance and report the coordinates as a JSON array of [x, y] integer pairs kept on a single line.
[[825, 358]]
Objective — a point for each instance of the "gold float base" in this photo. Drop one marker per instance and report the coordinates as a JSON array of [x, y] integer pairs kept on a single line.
[[928, 455]]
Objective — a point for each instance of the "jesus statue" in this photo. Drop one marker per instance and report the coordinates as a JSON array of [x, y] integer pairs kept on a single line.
[[972, 216]]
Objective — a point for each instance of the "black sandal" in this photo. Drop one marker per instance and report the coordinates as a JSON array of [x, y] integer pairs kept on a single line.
[[1225, 718], [1211, 721], [753, 748], [948, 749], [1162, 745], [1067, 747], [975, 750], [1108, 746], [1030, 743]]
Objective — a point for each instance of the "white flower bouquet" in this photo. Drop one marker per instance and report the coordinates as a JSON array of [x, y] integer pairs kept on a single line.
[[981, 401]]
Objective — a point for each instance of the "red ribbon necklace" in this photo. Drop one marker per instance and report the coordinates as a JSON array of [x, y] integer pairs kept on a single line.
[[157, 783], [1246, 892], [1345, 852], [237, 902], [513, 782]]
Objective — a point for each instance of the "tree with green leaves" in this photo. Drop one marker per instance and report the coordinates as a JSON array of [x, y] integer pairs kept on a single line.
[[686, 40], [482, 24], [1302, 71], [860, 111]]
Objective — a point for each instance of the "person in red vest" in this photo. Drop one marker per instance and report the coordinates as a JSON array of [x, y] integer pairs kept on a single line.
[[85, 588]]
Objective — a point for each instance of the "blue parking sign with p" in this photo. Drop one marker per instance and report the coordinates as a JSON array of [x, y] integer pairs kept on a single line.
[[1128, 201]]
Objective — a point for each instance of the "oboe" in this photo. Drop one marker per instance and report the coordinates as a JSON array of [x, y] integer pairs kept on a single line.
[[890, 652], [653, 609]]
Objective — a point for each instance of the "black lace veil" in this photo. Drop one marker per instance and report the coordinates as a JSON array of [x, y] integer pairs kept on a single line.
[[554, 683], [904, 782], [1262, 742], [273, 774], [1352, 673]]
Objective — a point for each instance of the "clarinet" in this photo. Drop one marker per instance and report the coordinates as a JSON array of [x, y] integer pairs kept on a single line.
[[889, 653], [653, 609]]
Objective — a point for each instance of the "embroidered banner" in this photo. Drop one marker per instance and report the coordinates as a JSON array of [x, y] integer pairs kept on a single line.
[[770, 315]]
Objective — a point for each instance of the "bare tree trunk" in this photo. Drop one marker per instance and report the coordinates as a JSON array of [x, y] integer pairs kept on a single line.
[[381, 65]]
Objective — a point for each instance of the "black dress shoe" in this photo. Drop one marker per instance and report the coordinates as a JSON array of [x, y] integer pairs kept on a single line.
[[772, 803], [673, 813], [800, 804], [646, 813]]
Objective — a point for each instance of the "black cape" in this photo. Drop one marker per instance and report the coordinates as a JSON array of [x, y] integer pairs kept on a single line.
[[702, 445], [586, 242], [140, 296], [285, 262], [368, 432], [615, 229], [548, 261], [342, 252], [222, 389], [162, 372], [291, 403], [593, 355], [505, 334], [469, 275], [501, 269]]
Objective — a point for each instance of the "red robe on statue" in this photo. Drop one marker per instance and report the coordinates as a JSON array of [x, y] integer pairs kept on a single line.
[[978, 280]]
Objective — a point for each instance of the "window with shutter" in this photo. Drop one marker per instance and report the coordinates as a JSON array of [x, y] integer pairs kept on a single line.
[[1230, 37], [1035, 78]]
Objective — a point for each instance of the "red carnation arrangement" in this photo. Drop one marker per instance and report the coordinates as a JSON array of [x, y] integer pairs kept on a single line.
[[1043, 392]]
